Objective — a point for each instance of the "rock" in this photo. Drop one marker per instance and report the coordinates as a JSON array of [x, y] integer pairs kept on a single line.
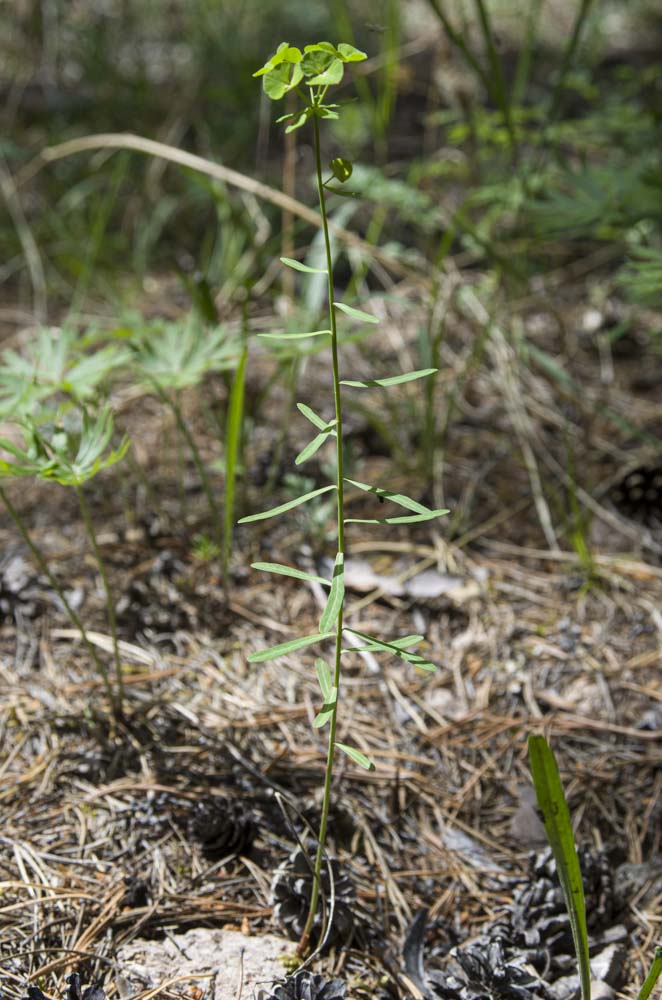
[[219, 957]]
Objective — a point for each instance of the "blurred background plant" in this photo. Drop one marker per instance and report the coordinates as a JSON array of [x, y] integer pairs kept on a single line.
[[504, 152]]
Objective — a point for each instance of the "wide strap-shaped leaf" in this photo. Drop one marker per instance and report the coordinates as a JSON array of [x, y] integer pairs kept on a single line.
[[364, 317], [296, 265], [336, 595], [356, 755], [324, 677], [312, 447], [410, 519], [395, 650], [558, 827], [370, 383], [287, 647], [316, 421], [293, 336], [287, 506], [282, 570]]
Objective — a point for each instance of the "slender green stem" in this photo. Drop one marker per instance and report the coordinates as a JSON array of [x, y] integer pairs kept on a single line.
[[110, 603], [328, 776], [115, 702], [185, 431]]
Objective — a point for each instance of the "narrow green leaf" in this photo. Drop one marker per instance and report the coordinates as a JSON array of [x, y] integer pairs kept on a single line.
[[316, 421], [296, 265], [336, 595], [399, 498], [287, 506], [356, 313], [403, 643], [356, 755], [232, 448], [297, 574], [322, 717], [326, 711], [293, 336], [312, 447], [324, 678], [299, 122], [410, 519], [395, 649], [287, 647], [653, 975], [556, 818], [392, 380]]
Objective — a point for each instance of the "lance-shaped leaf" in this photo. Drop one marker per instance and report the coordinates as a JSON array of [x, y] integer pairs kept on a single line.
[[287, 647], [297, 574], [399, 498], [371, 383], [315, 419], [356, 755], [394, 649], [293, 336], [313, 446], [324, 678], [296, 265], [336, 595], [364, 317], [403, 643], [326, 711], [408, 519], [653, 975], [556, 818], [287, 506]]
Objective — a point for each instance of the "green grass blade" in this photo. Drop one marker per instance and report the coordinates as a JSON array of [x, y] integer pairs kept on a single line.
[[297, 574], [364, 317], [293, 336], [232, 448], [336, 595], [288, 647], [370, 383], [652, 977], [312, 447], [556, 818], [356, 755], [287, 506], [296, 265]]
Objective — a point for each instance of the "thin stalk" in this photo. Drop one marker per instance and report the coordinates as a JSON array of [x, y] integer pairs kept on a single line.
[[110, 603], [116, 704], [185, 431], [328, 776], [569, 58]]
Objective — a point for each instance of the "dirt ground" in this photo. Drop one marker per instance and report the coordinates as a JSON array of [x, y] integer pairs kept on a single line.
[[179, 816]]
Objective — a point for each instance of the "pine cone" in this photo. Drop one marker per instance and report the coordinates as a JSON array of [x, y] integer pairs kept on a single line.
[[291, 891], [223, 827], [308, 986]]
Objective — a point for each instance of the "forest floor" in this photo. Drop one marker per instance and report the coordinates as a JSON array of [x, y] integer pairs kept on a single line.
[[179, 815]]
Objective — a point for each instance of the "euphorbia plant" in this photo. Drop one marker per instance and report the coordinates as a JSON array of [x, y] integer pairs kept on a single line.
[[310, 74], [70, 451]]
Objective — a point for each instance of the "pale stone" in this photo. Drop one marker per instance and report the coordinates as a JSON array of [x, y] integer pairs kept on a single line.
[[214, 961]]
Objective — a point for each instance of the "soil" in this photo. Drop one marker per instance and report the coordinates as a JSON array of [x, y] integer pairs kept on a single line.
[[177, 816]]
